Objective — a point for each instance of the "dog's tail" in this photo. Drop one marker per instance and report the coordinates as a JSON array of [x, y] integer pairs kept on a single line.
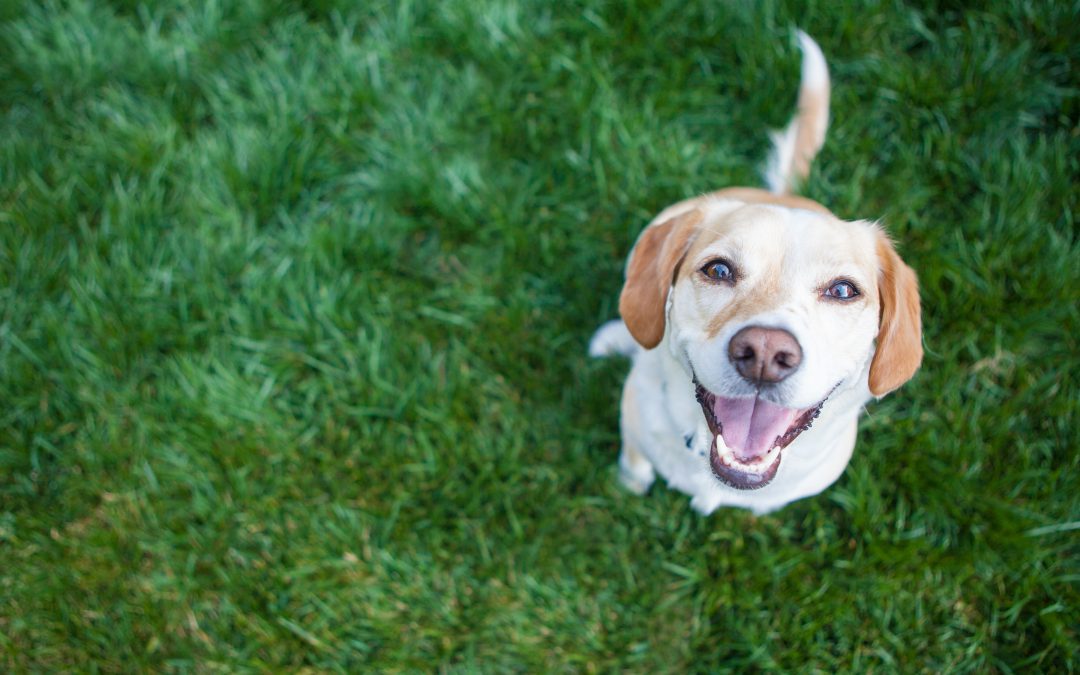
[[795, 147], [613, 338]]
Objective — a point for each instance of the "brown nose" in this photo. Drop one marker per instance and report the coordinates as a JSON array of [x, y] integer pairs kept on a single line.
[[764, 355]]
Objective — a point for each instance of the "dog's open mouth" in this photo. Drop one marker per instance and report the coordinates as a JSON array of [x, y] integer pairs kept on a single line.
[[754, 433]]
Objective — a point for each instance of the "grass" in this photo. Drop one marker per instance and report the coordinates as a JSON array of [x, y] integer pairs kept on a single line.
[[294, 300]]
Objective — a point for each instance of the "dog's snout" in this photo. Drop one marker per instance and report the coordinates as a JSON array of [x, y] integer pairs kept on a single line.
[[764, 355]]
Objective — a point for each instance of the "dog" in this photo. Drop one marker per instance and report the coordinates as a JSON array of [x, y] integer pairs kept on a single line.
[[759, 324]]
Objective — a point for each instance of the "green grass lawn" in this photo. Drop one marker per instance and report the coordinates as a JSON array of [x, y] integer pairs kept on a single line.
[[294, 303]]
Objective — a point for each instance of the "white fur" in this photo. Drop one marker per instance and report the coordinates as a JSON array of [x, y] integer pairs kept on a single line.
[[612, 338], [815, 72], [778, 165]]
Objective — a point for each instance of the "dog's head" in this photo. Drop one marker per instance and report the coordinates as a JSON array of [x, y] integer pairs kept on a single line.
[[771, 309]]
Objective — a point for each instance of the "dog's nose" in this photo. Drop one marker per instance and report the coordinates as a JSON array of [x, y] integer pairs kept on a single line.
[[764, 355]]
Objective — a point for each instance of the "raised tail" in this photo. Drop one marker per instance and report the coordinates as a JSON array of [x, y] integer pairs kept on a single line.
[[795, 147]]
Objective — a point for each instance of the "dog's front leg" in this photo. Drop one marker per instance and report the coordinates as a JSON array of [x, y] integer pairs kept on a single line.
[[635, 471]]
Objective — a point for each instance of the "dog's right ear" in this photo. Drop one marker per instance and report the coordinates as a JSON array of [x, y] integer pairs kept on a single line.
[[653, 264]]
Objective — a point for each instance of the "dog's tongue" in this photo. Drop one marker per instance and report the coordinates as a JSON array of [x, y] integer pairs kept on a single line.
[[750, 426]]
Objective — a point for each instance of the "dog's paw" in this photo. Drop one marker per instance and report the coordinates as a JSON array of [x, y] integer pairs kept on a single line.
[[703, 506], [639, 485], [635, 472]]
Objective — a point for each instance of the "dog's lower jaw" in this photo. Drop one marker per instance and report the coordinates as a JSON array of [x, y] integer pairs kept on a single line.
[[732, 473]]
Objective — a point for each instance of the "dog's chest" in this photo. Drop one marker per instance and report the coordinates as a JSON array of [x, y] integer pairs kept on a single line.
[[678, 440]]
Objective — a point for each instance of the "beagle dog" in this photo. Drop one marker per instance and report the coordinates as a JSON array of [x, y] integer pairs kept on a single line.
[[759, 325]]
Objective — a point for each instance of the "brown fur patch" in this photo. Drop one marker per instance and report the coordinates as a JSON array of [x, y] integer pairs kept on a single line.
[[653, 264], [899, 344], [809, 136]]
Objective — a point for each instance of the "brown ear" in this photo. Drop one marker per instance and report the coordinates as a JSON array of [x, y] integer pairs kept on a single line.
[[899, 342], [652, 267]]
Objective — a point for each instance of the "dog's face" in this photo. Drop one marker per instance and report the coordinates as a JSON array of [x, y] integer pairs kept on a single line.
[[770, 310]]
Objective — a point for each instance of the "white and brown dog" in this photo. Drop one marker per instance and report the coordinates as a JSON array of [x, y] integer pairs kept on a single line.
[[759, 325]]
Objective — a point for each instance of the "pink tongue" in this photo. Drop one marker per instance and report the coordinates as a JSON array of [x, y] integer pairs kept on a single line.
[[750, 426]]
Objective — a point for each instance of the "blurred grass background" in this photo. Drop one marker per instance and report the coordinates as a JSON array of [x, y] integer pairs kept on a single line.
[[294, 299]]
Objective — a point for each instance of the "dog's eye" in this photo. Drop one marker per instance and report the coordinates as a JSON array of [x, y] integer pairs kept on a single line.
[[719, 270], [841, 290]]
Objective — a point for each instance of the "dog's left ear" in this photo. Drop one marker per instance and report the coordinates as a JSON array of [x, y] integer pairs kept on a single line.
[[652, 267], [899, 342]]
